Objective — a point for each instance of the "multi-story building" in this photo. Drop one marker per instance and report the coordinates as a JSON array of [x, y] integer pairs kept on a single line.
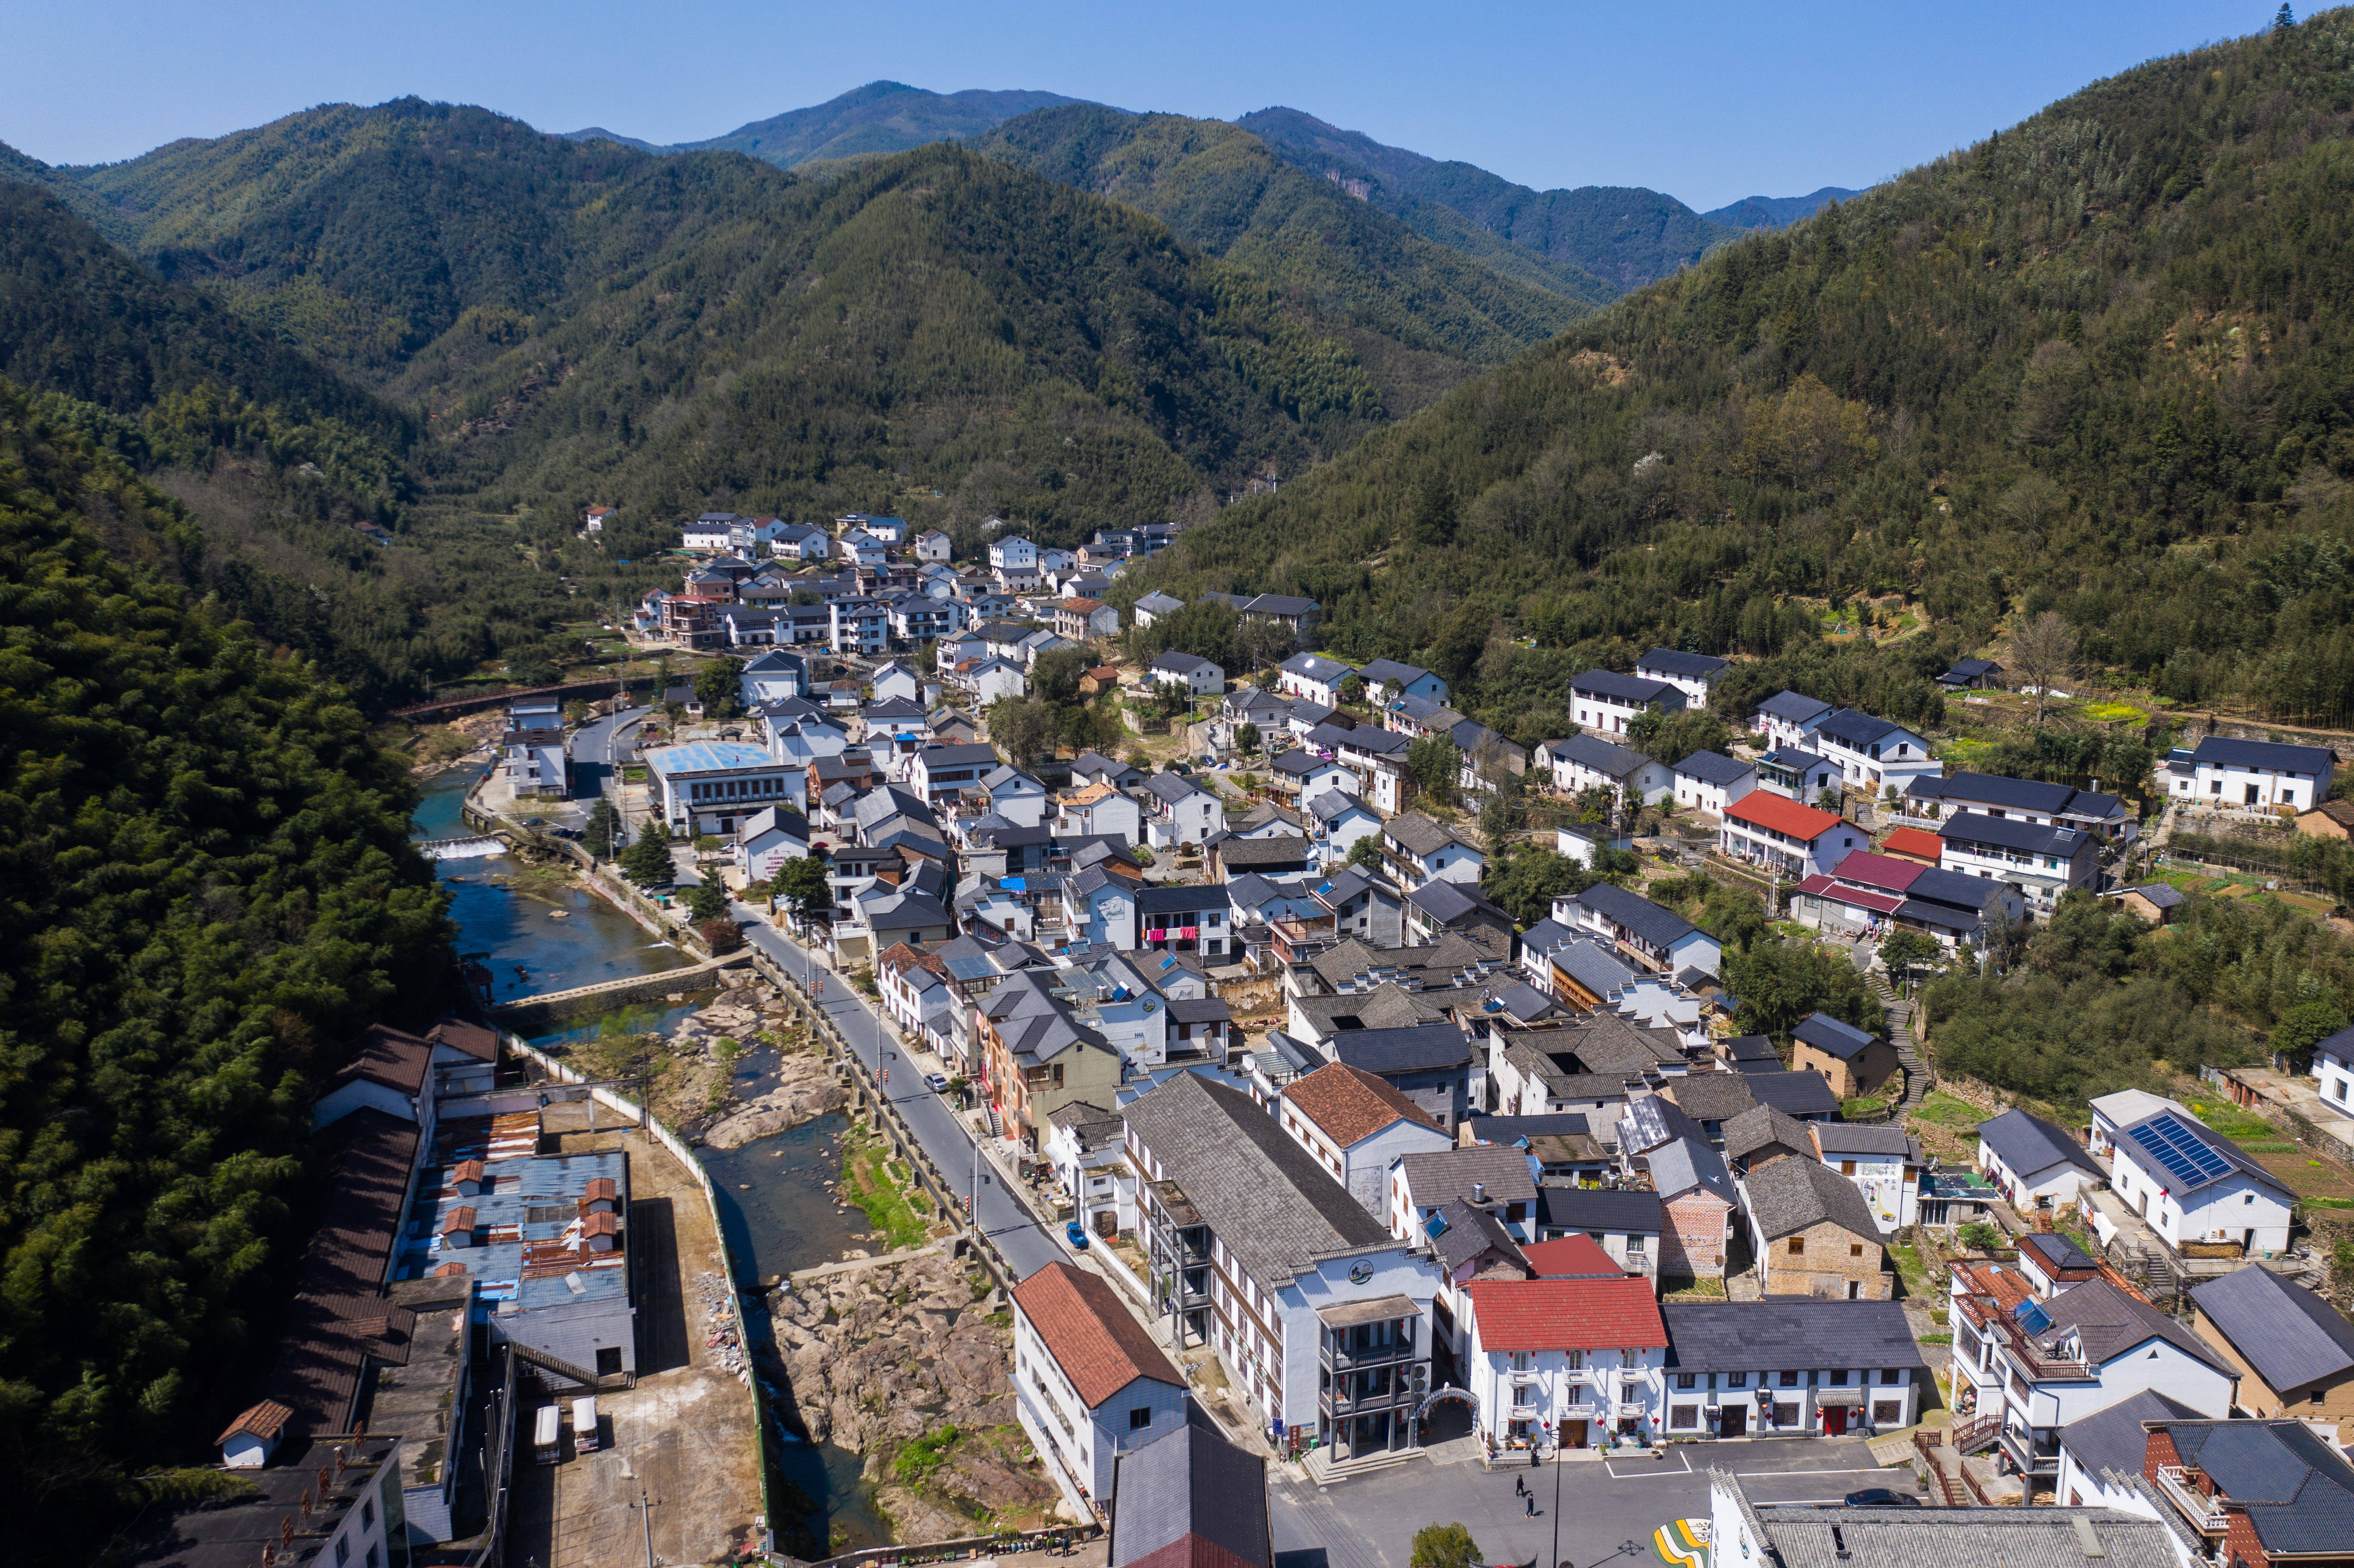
[[1711, 781], [1930, 799], [1419, 850], [2251, 775], [1356, 1125], [1606, 702], [1315, 677], [2254, 1494], [2023, 1369], [1795, 1369], [1656, 937], [1793, 840], [1563, 1361], [1693, 674], [1813, 1235], [1320, 1316], [1873, 754], [707, 786], [2043, 862], [1089, 1383], [1790, 719], [2199, 1192], [1797, 773], [1036, 1057], [1883, 1163]]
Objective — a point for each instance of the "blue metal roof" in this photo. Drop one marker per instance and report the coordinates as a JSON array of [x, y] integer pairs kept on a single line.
[[709, 756]]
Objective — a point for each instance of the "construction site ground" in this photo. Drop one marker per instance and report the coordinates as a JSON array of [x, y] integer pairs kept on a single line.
[[680, 1446]]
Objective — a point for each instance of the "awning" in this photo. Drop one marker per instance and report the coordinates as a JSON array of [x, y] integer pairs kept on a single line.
[[1381, 1309], [1850, 1396]]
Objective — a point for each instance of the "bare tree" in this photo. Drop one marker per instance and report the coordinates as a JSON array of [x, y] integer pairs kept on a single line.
[[2044, 655], [2030, 504]]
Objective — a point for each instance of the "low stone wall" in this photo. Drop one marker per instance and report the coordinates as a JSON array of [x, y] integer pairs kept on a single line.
[[2308, 1136], [963, 1548]]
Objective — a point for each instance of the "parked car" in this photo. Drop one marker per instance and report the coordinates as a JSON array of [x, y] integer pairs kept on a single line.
[[1078, 1234], [937, 1082], [1881, 1497]]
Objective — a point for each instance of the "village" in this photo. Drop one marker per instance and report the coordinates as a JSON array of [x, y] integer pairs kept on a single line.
[[1324, 1163]]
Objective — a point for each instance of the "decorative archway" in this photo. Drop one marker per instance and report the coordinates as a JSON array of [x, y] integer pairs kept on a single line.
[[1422, 1411]]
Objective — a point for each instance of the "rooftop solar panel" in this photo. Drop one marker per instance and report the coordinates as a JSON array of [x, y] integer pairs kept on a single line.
[[2186, 1157]]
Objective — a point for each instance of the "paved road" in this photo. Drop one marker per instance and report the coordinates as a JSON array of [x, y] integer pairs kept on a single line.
[[593, 745], [1369, 1522], [1026, 1245]]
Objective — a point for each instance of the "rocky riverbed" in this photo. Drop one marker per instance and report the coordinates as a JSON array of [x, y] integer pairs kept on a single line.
[[884, 1361], [699, 1092]]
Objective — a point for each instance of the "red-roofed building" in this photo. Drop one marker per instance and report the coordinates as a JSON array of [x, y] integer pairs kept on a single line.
[[1765, 829], [1914, 844], [1088, 1381], [1571, 1258], [1564, 1362]]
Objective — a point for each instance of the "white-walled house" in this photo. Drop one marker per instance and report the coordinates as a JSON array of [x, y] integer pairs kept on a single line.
[[1790, 1367], [1710, 781], [1797, 773], [2193, 1185], [2026, 1367], [1693, 674], [1336, 819], [2251, 774], [1313, 676], [1581, 841], [2036, 1164], [1180, 811], [1386, 681], [1585, 762], [1356, 1124], [1088, 1381], [1873, 754], [767, 839], [2333, 1069], [1770, 830], [773, 676], [1790, 719], [1419, 850], [1563, 1361], [1606, 702], [1190, 670]]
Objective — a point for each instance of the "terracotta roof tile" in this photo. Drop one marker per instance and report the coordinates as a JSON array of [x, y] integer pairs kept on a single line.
[[263, 1420], [1566, 1314], [1764, 809], [1571, 1258], [1348, 1104], [1100, 1347], [1915, 842]]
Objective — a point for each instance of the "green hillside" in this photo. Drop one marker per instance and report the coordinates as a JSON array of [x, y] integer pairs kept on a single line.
[[1223, 189], [1627, 236], [205, 890], [1777, 212], [880, 116], [2099, 365]]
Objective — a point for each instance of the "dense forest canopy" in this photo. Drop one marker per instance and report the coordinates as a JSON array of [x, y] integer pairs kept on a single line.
[[205, 890], [2099, 365]]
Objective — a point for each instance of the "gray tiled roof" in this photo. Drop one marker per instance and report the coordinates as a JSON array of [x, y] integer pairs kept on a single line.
[[2289, 1335], [2298, 1489], [1603, 756], [1448, 902], [1678, 1166], [1835, 1138], [1831, 1036], [1714, 767], [1675, 661], [1637, 914], [1791, 1194], [2110, 1322], [1266, 1197], [1713, 1096], [2029, 1144], [1963, 1537], [1470, 1231], [1442, 1175], [1418, 833], [1419, 1048], [1763, 1126], [2225, 752], [1785, 1334], [2112, 1438], [1195, 1483], [1591, 965], [1794, 707]]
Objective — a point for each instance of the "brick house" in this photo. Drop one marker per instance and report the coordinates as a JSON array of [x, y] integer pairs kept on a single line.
[[2254, 1493], [1813, 1234], [1856, 1063], [1699, 1202]]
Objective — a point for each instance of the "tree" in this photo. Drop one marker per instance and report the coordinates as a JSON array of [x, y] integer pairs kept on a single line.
[[1367, 853], [1434, 512], [2043, 654], [1435, 764], [718, 687], [604, 832], [647, 862], [802, 885], [1444, 1546], [1246, 739], [1506, 810], [1351, 691], [1524, 879], [721, 936], [706, 900], [1901, 950], [2306, 1024], [1055, 677], [1024, 728], [1669, 738], [1780, 983], [2284, 18]]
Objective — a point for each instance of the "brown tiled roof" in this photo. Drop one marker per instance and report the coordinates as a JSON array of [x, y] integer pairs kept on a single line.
[[383, 1055], [1348, 1103], [365, 1176], [459, 1219], [323, 1349], [601, 1226], [467, 1171], [476, 1039], [603, 1187], [1090, 1332], [264, 1420]]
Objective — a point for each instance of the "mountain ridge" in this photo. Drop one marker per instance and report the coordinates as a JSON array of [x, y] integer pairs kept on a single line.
[[879, 117]]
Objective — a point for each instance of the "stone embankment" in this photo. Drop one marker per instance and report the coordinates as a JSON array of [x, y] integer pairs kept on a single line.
[[905, 1350]]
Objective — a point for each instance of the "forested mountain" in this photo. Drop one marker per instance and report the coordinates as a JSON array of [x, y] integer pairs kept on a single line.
[[880, 116], [2101, 364], [1777, 212], [205, 890], [1222, 188], [1625, 236]]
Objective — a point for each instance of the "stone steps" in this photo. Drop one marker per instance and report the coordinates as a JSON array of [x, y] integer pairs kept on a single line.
[[1900, 1034]]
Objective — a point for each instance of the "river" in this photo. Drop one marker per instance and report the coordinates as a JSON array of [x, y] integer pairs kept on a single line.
[[775, 1208]]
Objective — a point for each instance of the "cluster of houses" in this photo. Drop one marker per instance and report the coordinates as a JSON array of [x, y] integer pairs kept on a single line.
[[457, 1241]]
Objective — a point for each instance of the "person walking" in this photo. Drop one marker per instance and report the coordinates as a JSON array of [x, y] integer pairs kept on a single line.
[[1528, 1501], [1519, 1488]]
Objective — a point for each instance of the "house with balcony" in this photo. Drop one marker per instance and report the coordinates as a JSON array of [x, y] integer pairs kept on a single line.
[[1693, 674], [1585, 762], [1873, 755], [1867, 893], [2023, 1369], [1789, 1369], [1657, 939], [1790, 719], [1930, 799], [1605, 702], [2035, 1164], [2254, 1494], [1036, 1056], [2043, 862], [2198, 1190], [1796, 774], [1565, 1363], [1791, 840], [2251, 775], [1089, 1383], [1321, 1319], [1418, 850]]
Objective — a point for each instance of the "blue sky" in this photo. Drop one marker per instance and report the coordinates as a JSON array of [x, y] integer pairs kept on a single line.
[[1709, 100]]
